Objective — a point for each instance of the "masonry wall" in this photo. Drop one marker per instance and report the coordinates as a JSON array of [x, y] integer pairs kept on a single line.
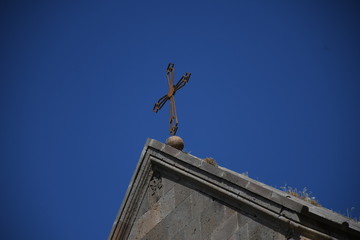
[[174, 195], [174, 211]]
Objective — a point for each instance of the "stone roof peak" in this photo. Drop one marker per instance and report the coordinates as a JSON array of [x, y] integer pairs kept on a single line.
[[175, 195]]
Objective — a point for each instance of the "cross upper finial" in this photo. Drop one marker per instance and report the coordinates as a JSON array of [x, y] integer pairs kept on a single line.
[[173, 121]]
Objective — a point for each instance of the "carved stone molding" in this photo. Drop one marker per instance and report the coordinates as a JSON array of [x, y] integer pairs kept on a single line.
[[155, 183]]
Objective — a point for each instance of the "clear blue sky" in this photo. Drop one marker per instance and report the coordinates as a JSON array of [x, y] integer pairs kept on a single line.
[[274, 91]]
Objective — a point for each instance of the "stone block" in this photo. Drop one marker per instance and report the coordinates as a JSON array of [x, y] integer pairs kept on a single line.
[[258, 189], [235, 179], [153, 216], [243, 232], [199, 202], [144, 205], [168, 184], [193, 230], [258, 231], [179, 218], [171, 225], [190, 159], [211, 218], [226, 229], [181, 192]]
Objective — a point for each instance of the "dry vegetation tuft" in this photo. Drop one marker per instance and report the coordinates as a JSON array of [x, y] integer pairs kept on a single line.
[[304, 195], [211, 161]]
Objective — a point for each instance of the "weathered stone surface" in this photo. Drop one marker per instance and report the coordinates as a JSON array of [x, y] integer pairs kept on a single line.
[[192, 231], [174, 195], [185, 213]]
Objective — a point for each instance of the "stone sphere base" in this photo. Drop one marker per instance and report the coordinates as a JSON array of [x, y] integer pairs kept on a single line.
[[175, 142]]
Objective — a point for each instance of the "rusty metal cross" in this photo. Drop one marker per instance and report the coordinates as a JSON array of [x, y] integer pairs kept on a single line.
[[173, 121]]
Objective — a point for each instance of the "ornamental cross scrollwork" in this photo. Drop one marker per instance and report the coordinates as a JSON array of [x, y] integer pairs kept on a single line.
[[173, 120]]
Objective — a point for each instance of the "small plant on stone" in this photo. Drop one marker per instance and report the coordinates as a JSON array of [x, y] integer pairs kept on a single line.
[[211, 161], [304, 195], [349, 214], [245, 174]]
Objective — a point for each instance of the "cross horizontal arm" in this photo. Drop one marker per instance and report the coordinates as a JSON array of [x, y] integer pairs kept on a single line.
[[183, 80], [160, 103]]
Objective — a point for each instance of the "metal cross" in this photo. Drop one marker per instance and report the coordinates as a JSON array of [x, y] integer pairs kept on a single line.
[[173, 121]]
